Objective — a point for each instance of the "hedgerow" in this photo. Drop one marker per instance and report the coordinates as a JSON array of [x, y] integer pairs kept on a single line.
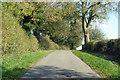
[[111, 47], [14, 38]]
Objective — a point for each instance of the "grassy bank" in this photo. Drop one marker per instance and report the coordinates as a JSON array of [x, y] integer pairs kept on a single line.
[[14, 66], [106, 68]]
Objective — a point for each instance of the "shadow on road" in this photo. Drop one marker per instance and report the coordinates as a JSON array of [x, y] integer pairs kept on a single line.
[[55, 72]]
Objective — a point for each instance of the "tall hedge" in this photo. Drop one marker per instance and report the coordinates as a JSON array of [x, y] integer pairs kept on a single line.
[[14, 38], [111, 47], [47, 44], [34, 45]]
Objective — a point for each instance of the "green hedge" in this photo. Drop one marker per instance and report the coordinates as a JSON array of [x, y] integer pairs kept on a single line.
[[14, 38], [111, 47], [47, 44], [34, 45]]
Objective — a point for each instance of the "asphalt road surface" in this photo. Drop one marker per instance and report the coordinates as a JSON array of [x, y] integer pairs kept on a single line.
[[60, 64]]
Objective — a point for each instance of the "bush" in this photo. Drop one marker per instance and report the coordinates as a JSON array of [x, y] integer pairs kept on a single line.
[[34, 46], [118, 49], [100, 46], [111, 47], [47, 44], [118, 45], [14, 38], [63, 47], [90, 46]]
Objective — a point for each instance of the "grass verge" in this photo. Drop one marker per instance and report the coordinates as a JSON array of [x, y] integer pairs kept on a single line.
[[106, 68], [13, 67]]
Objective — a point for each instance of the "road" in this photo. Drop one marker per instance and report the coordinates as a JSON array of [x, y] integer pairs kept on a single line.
[[60, 64]]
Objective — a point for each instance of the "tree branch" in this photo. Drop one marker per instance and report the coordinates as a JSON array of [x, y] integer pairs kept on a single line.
[[95, 15], [90, 18], [92, 6], [85, 20]]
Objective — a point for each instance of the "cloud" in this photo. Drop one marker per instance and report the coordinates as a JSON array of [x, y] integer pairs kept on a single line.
[[101, 25], [105, 26]]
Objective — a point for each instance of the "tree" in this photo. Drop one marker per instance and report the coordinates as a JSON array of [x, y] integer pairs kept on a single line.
[[96, 34], [76, 35], [22, 12], [57, 20], [62, 26], [90, 11]]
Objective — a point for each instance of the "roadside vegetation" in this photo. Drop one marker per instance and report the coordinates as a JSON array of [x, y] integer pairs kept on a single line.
[[28, 27], [107, 69], [110, 48], [14, 66]]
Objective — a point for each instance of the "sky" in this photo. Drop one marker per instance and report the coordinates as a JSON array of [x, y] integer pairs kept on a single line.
[[110, 26]]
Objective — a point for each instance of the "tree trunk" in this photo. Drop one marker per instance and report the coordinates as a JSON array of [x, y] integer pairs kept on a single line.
[[85, 30], [86, 36], [72, 46]]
